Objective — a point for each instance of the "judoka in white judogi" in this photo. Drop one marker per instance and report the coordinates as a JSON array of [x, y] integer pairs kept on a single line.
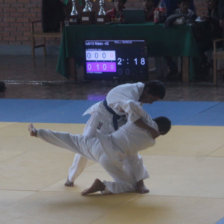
[[103, 119], [110, 150]]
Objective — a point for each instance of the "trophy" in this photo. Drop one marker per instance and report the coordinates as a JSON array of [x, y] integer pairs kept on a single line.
[[87, 13], [74, 17], [101, 17]]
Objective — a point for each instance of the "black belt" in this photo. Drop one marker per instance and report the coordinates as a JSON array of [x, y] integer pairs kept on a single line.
[[115, 116]]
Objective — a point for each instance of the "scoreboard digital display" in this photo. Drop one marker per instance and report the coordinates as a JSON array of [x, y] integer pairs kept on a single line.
[[116, 59]]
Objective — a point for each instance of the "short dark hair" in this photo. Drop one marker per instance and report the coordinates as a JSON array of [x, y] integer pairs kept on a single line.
[[164, 124], [156, 88]]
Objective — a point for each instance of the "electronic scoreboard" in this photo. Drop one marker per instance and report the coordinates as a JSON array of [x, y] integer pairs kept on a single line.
[[116, 59]]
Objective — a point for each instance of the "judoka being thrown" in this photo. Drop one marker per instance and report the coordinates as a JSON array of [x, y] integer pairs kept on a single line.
[[111, 150]]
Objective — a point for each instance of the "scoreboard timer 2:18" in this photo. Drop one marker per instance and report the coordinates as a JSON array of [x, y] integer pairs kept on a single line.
[[116, 59]]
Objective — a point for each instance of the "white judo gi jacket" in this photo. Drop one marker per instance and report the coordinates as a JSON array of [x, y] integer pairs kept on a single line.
[[111, 151], [101, 119]]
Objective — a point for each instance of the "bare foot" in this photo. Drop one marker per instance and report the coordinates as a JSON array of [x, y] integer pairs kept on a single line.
[[68, 183], [32, 130], [141, 188], [96, 186]]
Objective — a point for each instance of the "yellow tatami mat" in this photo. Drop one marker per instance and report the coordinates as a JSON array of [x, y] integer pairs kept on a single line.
[[186, 181]]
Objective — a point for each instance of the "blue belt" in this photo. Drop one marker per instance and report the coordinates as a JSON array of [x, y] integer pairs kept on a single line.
[[115, 116]]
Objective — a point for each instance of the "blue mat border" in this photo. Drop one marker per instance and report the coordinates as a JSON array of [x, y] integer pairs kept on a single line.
[[221, 221], [70, 111]]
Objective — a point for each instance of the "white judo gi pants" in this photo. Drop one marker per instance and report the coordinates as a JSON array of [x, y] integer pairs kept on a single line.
[[98, 120], [91, 148], [101, 116]]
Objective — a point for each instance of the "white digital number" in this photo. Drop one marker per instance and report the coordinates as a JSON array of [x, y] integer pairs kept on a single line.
[[119, 61], [142, 61]]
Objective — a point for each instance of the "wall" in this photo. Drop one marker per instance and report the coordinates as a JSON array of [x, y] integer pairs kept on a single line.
[[16, 17]]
